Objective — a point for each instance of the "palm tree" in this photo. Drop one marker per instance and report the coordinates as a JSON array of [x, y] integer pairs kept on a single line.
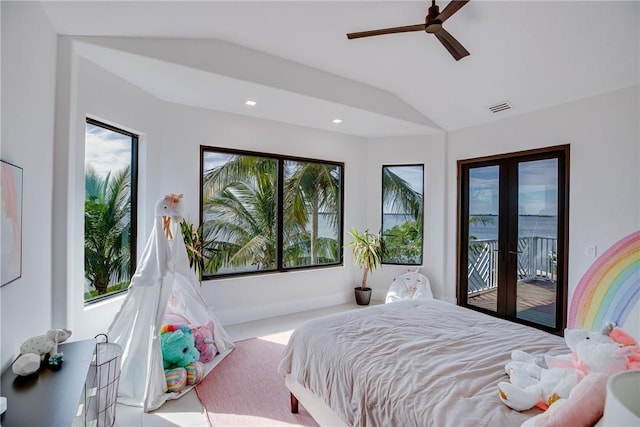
[[237, 168], [403, 243], [241, 225], [399, 195], [107, 228], [311, 188]]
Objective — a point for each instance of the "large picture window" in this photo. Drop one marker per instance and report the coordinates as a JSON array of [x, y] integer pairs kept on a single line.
[[263, 212], [402, 214], [109, 209]]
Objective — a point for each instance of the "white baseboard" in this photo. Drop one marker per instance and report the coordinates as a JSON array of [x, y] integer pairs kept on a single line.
[[248, 314]]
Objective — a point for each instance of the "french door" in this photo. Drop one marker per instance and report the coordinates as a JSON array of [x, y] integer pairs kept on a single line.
[[513, 228]]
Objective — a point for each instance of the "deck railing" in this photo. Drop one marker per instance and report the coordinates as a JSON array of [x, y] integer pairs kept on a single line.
[[536, 260]]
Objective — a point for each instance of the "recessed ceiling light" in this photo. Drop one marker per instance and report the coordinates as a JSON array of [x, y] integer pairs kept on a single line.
[[250, 103], [336, 121]]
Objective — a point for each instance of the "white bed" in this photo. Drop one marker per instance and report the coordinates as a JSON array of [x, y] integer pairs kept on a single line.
[[409, 363]]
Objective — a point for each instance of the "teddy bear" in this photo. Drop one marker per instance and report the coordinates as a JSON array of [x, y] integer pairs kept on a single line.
[[540, 381], [180, 357], [205, 342]]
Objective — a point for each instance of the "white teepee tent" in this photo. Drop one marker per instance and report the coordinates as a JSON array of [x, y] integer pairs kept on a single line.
[[162, 282]]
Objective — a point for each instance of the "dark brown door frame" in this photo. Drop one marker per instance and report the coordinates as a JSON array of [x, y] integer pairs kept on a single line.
[[508, 214]]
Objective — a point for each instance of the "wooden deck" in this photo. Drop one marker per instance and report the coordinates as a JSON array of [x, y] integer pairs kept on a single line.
[[536, 301]]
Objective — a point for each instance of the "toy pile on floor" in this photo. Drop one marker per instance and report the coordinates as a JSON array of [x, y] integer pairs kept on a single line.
[[185, 350], [571, 388]]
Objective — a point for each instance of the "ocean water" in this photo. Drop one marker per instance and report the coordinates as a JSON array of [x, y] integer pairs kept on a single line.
[[528, 225]]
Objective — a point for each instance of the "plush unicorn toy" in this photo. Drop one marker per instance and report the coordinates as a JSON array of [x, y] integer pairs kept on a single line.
[[169, 208], [535, 385]]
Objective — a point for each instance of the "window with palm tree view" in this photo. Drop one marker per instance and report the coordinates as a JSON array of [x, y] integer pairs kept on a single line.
[[109, 209], [402, 214], [263, 212]]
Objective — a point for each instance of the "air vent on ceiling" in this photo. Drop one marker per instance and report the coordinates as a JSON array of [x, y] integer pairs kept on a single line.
[[502, 106]]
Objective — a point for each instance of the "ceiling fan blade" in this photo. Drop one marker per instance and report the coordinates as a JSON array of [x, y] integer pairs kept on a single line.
[[451, 44], [451, 8], [405, 29]]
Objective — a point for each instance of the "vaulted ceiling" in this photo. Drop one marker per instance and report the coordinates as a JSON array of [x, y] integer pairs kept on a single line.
[[295, 57]]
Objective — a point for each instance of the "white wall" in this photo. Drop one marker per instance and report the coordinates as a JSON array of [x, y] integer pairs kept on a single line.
[[172, 135], [28, 92], [253, 297], [604, 134], [102, 96], [427, 150], [605, 202]]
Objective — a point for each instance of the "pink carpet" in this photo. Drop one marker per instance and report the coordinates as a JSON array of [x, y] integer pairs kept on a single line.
[[245, 389]]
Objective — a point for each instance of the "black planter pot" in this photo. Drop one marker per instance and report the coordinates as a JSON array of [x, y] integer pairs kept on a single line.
[[363, 296]]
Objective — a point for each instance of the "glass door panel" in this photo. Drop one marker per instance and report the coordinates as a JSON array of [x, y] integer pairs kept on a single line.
[[536, 271], [482, 221]]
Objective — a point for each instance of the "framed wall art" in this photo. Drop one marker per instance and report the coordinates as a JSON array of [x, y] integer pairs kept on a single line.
[[11, 222]]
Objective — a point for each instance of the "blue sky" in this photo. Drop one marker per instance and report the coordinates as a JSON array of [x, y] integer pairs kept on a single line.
[[106, 150], [537, 192], [414, 175]]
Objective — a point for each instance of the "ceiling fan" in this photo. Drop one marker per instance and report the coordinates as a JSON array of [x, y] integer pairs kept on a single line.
[[433, 25]]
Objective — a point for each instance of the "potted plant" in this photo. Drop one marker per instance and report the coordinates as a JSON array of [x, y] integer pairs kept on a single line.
[[367, 253], [193, 241]]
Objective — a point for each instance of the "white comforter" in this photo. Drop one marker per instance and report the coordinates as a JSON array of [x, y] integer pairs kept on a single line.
[[412, 363]]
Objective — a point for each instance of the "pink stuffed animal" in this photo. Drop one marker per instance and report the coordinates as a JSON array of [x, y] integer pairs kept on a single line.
[[170, 317], [584, 407], [534, 385], [630, 344], [205, 342]]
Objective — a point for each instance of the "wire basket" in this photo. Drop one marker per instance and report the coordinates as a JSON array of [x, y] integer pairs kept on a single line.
[[101, 387]]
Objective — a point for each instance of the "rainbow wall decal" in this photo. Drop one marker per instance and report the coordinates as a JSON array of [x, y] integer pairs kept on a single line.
[[610, 288]]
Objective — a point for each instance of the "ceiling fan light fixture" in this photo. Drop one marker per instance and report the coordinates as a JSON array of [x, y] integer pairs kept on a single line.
[[336, 121], [434, 27], [250, 103]]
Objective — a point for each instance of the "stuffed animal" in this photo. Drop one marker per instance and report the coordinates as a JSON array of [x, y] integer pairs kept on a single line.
[[592, 352], [604, 357], [26, 364], [205, 342], [47, 344], [180, 357], [532, 385], [174, 318], [584, 407], [35, 349], [204, 337], [630, 344], [573, 338], [178, 346]]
